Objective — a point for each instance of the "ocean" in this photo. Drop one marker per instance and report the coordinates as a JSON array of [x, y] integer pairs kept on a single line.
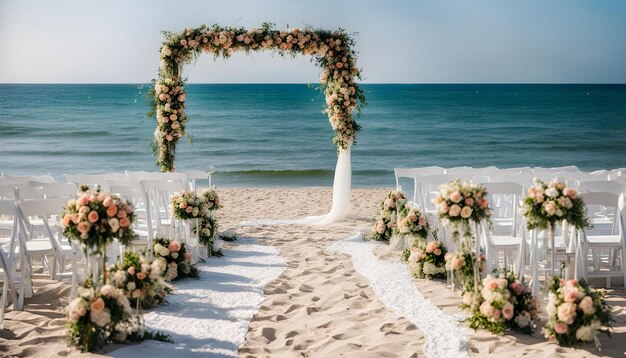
[[276, 134]]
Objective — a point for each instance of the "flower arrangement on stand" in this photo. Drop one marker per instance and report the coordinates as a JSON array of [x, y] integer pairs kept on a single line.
[[140, 280], [199, 209], [504, 303], [427, 260], [386, 222], [461, 265], [413, 223], [174, 259], [576, 312]]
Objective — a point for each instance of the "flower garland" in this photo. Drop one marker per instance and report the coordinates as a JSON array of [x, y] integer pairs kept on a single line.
[[199, 205], [504, 303], [386, 222], [95, 219], [428, 260], [174, 260], [140, 280], [576, 312], [333, 51], [549, 203]]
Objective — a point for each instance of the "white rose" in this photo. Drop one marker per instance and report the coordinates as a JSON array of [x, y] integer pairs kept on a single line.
[[114, 224], [552, 192], [131, 286], [101, 318], [466, 212], [455, 210], [174, 255], [550, 207]]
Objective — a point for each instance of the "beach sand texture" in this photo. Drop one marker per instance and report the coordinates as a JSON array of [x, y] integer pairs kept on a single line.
[[320, 306]]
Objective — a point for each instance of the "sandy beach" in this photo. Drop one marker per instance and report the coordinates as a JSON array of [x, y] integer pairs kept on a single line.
[[320, 305]]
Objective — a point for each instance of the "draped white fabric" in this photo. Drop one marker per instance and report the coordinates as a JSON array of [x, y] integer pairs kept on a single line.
[[341, 197]]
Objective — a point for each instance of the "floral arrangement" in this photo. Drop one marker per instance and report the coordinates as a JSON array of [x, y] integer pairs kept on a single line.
[[174, 259], [193, 205], [576, 312], [428, 260], [461, 264], [504, 303], [331, 50], [548, 203], [459, 203], [95, 219], [201, 205], [96, 318], [386, 222], [140, 280], [413, 222]]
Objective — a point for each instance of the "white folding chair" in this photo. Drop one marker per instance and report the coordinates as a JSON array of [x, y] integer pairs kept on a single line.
[[93, 180], [12, 257], [50, 241], [413, 174], [8, 179], [160, 193], [193, 175], [56, 190], [606, 241]]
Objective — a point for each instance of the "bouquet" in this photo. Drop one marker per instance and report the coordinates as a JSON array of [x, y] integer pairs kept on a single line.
[[140, 280], [189, 205], [427, 260], [95, 219], [98, 317], [174, 260], [549, 203], [462, 266], [208, 230], [576, 312], [413, 222], [459, 203], [385, 223], [504, 303]]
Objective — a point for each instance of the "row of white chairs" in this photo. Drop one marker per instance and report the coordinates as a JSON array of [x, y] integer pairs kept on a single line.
[[597, 252], [30, 209]]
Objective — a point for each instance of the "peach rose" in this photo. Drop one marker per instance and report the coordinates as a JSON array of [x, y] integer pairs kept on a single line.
[[83, 200], [108, 201], [188, 256], [97, 305], [136, 293], [466, 212], [182, 205], [100, 197], [75, 218], [174, 246], [469, 201], [124, 222], [83, 227], [93, 216], [455, 210], [131, 270], [484, 204], [586, 305], [141, 275], [507, 311], [561, 328], [491, 285], [431, 246], [437, 252], [111, 211], [169, 138], [189, 209], [67, 219], [456, 197]]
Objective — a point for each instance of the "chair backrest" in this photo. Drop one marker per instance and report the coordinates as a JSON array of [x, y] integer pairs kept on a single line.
[[7, 179], [602, 198], [606, 186], [41, 207], [620, 172], [157, 175], [56, 190], [19, 192], [413, 173], [101, 180], [510, 188]]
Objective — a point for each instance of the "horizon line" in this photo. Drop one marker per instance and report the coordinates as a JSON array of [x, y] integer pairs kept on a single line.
[[308, 83]]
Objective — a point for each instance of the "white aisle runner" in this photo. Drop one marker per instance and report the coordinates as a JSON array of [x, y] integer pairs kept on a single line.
[[210, 316], [394, 286]]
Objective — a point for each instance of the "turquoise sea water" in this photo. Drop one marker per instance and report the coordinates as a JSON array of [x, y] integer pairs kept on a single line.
[[276, 135]]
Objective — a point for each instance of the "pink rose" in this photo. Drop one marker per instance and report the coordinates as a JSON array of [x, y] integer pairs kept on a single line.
[[124, 222], [93, 216], [491, 284], [484, 204], [469, 201], [570, 192], [174, 246], [100, 197], [131, 270], [456, 197], [561, 328], [169, 138], [181, 98], [570, 296], [437, 252], [496, 314], [141, 275], [507, 311], [108, 201], [75, 218], [431, 246], [83, 227], [182, 205], [412, 217], [188, 256], [173, 117], [422, 221], [83, 200], [444, 208], [189, 209], [111, 211], [97, 305], [486, 309], [455, 210]]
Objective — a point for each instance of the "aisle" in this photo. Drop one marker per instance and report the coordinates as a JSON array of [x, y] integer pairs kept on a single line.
[[210, 316]]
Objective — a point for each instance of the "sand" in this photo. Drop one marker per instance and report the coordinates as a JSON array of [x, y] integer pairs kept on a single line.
[[320, 306]]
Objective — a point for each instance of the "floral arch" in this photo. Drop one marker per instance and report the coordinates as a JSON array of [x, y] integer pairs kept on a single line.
[[331, 50]]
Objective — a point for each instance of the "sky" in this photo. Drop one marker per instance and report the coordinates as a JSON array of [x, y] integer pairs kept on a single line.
[[402, 41]]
